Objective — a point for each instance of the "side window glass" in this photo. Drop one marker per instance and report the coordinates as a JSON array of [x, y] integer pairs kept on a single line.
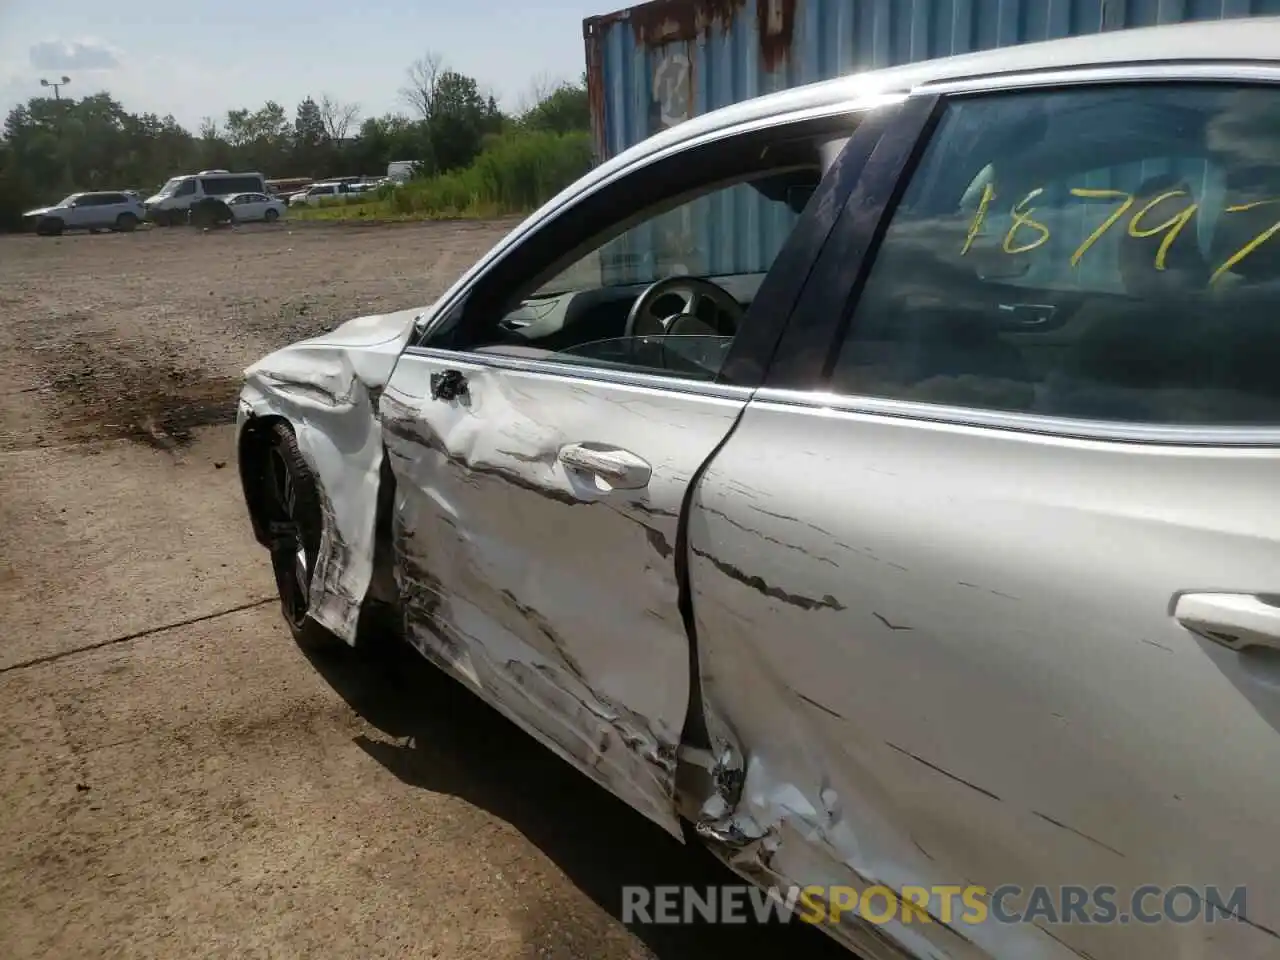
[[1109, 254], [666, 295], [188, 187]]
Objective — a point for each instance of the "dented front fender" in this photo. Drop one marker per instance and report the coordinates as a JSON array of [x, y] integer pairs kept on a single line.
[[327, 390]]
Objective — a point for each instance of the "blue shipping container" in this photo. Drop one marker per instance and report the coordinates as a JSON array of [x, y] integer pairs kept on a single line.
[[652, 66]]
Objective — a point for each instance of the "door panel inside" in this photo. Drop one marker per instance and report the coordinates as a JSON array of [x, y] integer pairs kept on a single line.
[[535, 533]]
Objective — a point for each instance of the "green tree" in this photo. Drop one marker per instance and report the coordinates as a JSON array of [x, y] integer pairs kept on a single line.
[[311, 148], [458, 120], [391, 137], [308, 125], [563, 109], [260, 139]]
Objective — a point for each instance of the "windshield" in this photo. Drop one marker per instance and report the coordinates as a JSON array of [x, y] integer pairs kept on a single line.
[[68, 200], [169, 187]]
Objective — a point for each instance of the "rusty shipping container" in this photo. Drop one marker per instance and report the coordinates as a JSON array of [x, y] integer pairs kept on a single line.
[[653, 65]]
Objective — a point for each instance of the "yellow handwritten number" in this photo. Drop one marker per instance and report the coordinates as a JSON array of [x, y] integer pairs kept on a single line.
[[1022, 218], [1106, 224], [1173, 225], [1253, 244], [975, 225], [1171, 228]]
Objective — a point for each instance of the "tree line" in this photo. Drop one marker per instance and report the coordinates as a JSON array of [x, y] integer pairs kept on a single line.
[[51, 147]]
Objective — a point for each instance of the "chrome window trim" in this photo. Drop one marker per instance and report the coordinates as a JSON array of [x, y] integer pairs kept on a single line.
[[1065, 428], [1224, 71], [450, 298], [572, 372]]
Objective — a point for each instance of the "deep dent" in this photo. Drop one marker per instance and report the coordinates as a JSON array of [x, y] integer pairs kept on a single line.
[[536, 682], [786, 800]]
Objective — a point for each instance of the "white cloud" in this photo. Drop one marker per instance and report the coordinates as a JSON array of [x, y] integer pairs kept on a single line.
[[73, 55]]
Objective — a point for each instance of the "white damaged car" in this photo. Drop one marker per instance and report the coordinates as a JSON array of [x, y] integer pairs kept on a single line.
[[879, 477]]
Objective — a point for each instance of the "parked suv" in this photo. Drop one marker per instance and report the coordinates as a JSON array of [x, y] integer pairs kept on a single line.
[[88, 211]]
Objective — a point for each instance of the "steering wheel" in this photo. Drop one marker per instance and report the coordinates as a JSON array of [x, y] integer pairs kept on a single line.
[[643, 322]]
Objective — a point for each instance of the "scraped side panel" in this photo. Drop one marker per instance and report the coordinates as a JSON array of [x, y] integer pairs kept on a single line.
[[554, 598], [946, 656]]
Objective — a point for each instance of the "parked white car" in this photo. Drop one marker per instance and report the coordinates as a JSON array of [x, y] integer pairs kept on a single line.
[[907, 530], [312, 196], [103, 210], [248, 207]]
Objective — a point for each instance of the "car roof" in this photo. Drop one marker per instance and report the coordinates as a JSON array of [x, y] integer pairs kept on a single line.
[[1237, 40]]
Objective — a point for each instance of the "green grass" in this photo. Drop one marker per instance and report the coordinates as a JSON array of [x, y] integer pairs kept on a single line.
[[515, 174]]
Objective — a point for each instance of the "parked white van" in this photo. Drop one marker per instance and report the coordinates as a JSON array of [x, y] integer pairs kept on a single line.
[[170, 203]]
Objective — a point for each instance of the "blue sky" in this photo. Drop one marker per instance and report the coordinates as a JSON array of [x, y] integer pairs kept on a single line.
[[197, 58]]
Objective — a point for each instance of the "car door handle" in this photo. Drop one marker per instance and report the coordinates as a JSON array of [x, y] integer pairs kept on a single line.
[[1235, 620], [620, 469], [1029, 314]]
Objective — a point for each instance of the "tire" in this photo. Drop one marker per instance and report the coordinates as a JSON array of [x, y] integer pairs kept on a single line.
[[50, 227], [271, 216], [292, 505], [126, 222]]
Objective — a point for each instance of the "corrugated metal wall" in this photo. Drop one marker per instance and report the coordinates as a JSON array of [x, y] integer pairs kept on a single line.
[[652, 66]]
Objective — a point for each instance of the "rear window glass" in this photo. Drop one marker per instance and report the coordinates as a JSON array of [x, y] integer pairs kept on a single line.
[[1102, 254]]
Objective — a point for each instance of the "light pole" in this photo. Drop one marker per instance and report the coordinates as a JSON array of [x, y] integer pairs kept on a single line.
[[56, 86], [58, 131]]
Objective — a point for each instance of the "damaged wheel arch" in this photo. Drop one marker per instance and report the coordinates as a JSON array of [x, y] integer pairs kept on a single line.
[[253, 448], [380, 612], [283, 494]]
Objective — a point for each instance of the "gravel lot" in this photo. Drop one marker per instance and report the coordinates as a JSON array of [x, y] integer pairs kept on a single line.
[[176, 778]]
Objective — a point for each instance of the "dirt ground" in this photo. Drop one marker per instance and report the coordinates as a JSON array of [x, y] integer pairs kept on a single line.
[[176, 777]]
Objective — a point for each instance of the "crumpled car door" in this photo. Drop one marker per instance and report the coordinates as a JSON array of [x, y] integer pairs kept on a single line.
[[535, 532]]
